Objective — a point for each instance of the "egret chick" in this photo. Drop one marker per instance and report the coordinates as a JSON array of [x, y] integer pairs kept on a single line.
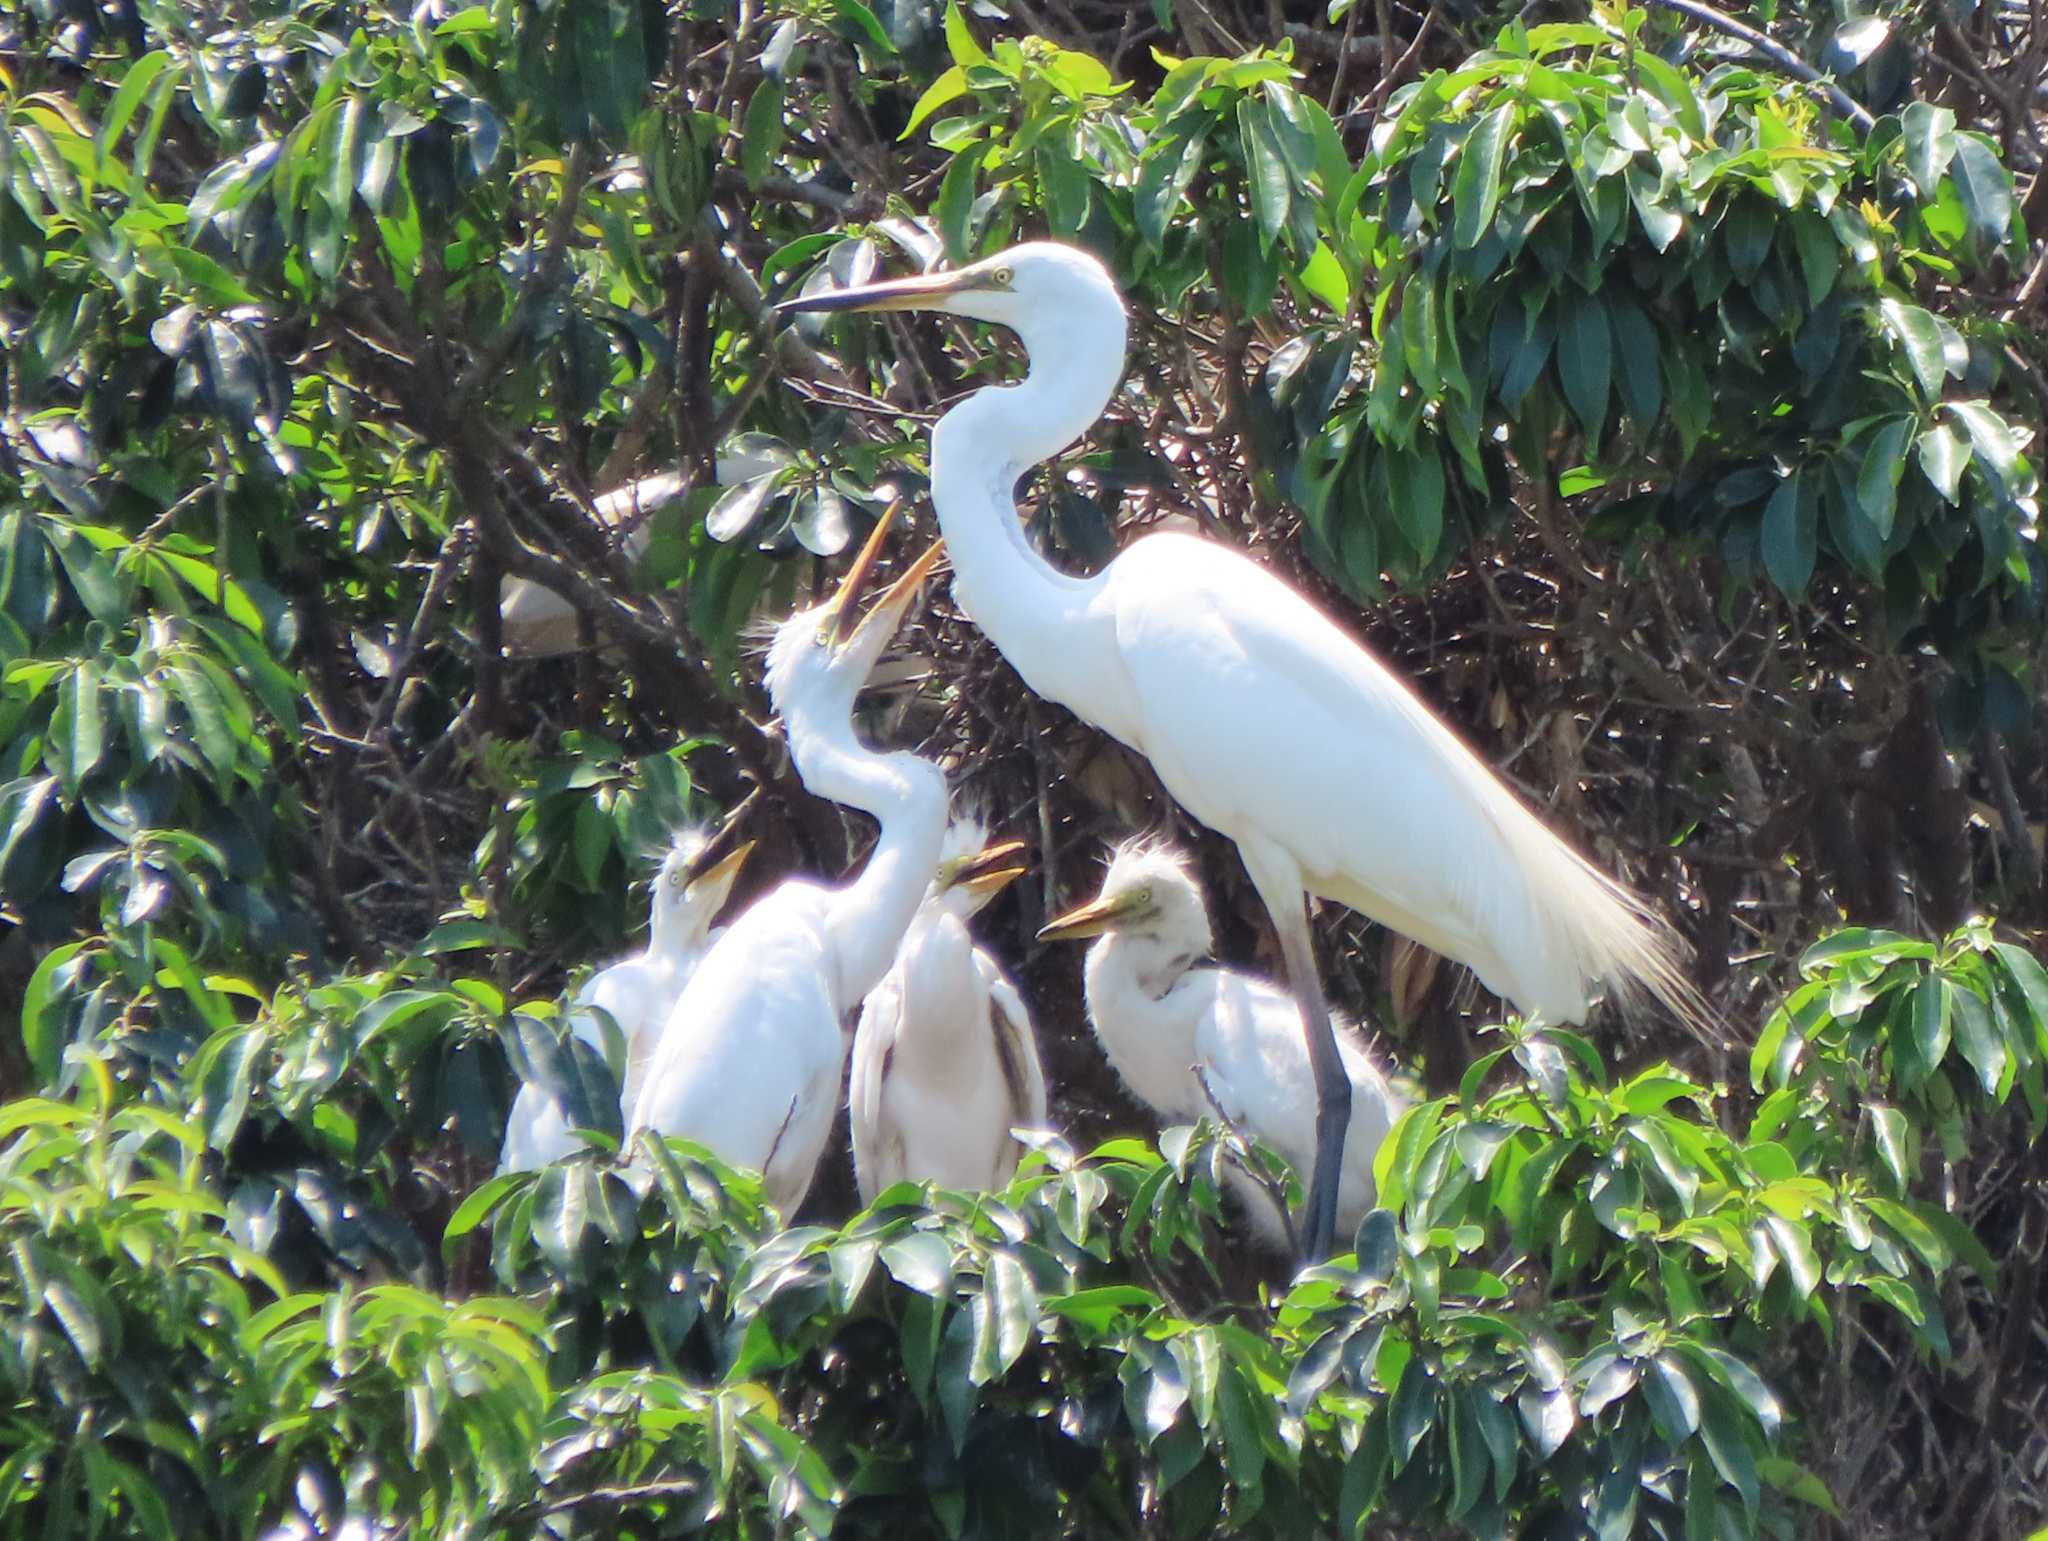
[[638, 992], [945, 1064], [750, 1062], [1160, 1010]]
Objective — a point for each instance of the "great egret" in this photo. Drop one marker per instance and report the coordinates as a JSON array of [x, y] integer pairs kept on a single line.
[[1263, 717], [944, 1061], [536, 622], [749, 1063], [638, 992], [1160, 1012]]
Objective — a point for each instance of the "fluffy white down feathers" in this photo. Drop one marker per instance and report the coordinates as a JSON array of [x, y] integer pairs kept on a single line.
[[1160, 1010]]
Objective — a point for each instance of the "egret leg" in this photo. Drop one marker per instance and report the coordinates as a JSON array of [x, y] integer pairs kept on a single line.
[[1278, 881]]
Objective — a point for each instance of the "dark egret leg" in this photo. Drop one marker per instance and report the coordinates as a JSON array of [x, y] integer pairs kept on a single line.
[[1278, 881]]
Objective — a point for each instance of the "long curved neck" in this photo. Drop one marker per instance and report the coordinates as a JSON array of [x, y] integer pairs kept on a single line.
[[907, 797], [671, 935], [982, 447], [1147, 1032]]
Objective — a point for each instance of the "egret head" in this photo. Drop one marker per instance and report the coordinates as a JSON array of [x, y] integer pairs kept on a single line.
[[1148, 894], [972, 871], [1022, 288], [819, 658], [691, 888]]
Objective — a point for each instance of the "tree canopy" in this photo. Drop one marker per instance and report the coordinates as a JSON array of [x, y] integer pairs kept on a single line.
[[1655, 388]]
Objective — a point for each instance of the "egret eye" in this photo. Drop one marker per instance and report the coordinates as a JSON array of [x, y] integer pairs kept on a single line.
[[1005, 276]]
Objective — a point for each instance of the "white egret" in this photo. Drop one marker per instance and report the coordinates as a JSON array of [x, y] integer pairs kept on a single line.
[[536, 622], [1161, 1011], [750, 1062], [1260, 714], [945, 1064], [638, 992]]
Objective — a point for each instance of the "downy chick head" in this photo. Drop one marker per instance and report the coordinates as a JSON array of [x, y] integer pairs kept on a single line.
[[1150, 897]]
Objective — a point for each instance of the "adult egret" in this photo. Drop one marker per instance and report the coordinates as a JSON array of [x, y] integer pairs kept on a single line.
[[536, 622], [1160, 1012], [944, 1061], [637, 991], [1263, 717], [749, 1063]]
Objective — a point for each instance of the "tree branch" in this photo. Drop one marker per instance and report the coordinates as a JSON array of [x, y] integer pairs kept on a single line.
[[1787, 61]]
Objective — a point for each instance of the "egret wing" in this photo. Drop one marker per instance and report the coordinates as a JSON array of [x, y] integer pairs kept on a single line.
[[1260, 713], [876, 1148], [1016, 1044]]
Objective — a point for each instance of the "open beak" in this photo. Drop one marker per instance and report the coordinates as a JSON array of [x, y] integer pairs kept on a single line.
[[844, 624], [717, 880], [990, 870], [844, 619], [1090, 919], [927, 291]]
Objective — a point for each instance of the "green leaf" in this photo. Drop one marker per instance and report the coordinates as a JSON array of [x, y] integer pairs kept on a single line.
[[1877, 480], [1911, 1228], [475, 1209], [761, 139], [1942, 455], [1791, 535], [1985, 188], [562, 1218], [954, 209], [1729, 1450], [135, 83], [1661, 222], [1672, 1396], [78, 727], [1920, 335], [226, 1066], [1961, 1241], [1416, 479], [1928, 134], [208, 716], [1063, 185], [75, 1315], [948, 87], [1993, 440], [1163, 179], [1272, 184], [921, 1261], [1585, 362], [346, 155], [103, 594], [1929, 1021], [1795, 1247], [960, 41], [1005, 1312], [1979, 1039], [1641, 360], [39, 1025], [1888, 1124], [1475, 188], [741, 505], [1795, 1481]]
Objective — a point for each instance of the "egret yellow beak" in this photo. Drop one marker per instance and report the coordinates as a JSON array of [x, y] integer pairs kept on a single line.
[[718, 879], [927, 291], [988, 871], [1091, 919], [843, 619], [843, 623]]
